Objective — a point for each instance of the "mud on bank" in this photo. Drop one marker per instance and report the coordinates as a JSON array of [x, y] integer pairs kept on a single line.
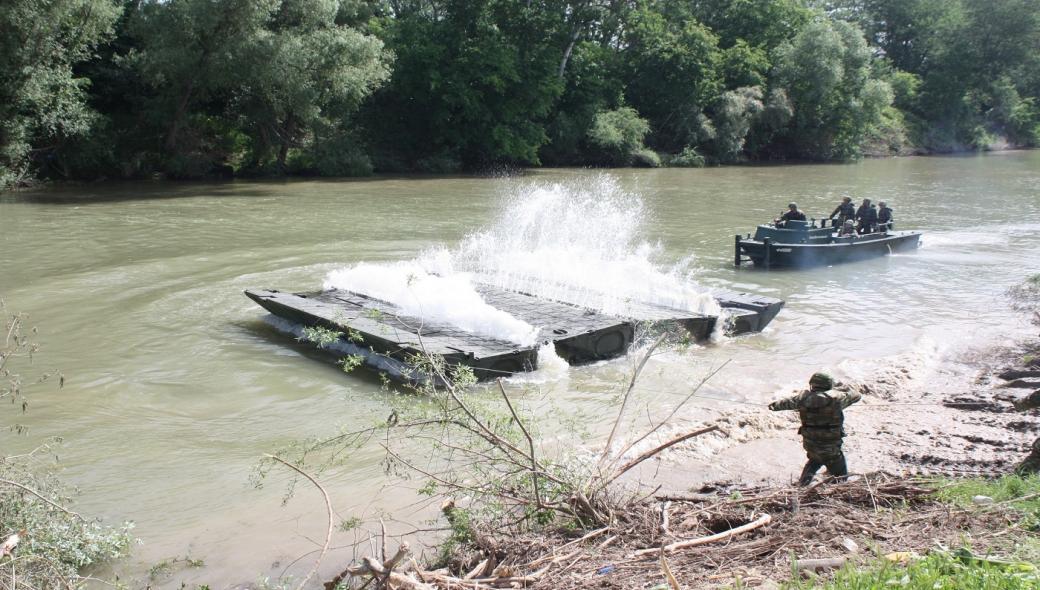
[[917, 428]]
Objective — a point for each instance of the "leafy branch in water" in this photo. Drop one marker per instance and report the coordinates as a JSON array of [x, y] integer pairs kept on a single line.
[[18, 348], [46, 544]]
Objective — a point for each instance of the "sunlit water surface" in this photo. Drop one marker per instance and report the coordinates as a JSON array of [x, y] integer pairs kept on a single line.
[[176, 386]]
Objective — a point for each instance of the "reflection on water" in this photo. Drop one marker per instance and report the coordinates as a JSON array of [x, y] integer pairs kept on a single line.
[[175, 384]]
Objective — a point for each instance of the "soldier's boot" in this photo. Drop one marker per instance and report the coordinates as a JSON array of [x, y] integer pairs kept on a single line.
[[837, 468], [810, 469]]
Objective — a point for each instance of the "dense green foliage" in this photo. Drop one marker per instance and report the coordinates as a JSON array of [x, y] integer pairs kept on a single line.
[[192, 88], [957, 571], [57, 544]]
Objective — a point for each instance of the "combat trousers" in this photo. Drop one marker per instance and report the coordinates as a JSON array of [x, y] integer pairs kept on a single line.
[[823, 449], [835, 464]]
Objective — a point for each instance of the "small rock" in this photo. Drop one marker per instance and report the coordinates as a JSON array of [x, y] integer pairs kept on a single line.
[[850, 545], [981, 500]]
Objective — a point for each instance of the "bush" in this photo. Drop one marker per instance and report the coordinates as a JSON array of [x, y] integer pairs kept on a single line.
[[688, 158], [339, 156], [57, 544], [618, 135], [646, 158], [438, 164]]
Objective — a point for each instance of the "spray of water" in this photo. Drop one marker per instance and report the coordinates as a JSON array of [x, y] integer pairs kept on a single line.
[[579, 243], [445, 298]]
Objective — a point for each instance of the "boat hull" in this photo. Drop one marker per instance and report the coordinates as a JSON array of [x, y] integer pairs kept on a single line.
[[769, 254]]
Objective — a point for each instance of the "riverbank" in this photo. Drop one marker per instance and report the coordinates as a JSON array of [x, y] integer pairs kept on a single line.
[[932, 455], [758, 537], [158, 179]]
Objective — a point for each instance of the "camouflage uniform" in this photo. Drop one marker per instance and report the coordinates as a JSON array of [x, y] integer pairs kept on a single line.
[[820, 410], [1031, 464]]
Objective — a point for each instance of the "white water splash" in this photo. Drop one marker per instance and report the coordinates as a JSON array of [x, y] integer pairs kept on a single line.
[[579, 242], [450, 299]]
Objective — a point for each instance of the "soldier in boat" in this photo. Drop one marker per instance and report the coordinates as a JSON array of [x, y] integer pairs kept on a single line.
[[844, 211], [867, 217], [792, 214], [884, 217]]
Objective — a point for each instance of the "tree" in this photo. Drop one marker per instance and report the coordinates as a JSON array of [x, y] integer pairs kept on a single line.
[[733, 117], [191, 53], [673, 73], [473, 84], [299, 82], [617, 136], [826, 72], [760, 23], [42, 100]]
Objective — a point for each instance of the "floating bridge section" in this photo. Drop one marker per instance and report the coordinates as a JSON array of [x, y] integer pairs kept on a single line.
[[579, 335]]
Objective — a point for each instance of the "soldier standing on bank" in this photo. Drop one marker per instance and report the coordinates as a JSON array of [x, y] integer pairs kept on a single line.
[[1031, 464], [821, 412]]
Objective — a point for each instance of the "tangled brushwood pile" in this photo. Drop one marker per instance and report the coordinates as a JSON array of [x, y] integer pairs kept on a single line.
[[715, 539]]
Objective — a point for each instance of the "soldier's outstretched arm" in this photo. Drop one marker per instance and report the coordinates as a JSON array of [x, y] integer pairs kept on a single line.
[[849, 398], [790, 403], [1028, 402]]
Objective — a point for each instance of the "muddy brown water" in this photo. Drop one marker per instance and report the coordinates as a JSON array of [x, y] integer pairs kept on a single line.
[[175, 385]]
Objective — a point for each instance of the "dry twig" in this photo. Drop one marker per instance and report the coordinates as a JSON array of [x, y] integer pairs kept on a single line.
[[328, 510]]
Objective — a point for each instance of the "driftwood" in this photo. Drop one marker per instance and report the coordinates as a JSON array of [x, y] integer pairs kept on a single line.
[[758, 522]]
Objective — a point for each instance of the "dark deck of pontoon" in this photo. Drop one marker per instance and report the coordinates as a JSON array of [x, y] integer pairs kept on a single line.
[[579, 335]]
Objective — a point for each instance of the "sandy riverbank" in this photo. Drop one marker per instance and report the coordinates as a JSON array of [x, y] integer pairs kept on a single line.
[[949, 414]]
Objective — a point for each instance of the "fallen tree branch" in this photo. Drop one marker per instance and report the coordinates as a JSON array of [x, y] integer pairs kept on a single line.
[[621, 471], [41, 496], [759, 522], [664, 518]]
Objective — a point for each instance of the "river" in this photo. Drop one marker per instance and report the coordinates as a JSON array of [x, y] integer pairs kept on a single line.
[[175, 384]]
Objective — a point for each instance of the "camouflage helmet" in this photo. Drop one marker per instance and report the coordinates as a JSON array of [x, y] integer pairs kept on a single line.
[[821, 381]]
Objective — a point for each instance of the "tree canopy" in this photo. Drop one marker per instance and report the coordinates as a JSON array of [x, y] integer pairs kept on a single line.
[[195, 88]]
